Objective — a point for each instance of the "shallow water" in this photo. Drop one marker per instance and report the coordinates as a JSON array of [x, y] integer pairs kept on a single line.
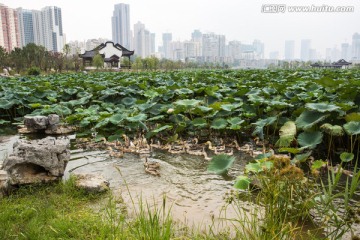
[[195, 195]]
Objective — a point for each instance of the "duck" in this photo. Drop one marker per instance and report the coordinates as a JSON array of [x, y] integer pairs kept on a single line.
[[176, 148], [152, 164], [206, 157], [215, 148], [152, 171], [115, 154], [228, 151], [194, 148]]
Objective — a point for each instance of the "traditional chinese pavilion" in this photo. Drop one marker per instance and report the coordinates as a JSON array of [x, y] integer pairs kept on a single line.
[[111, 53]]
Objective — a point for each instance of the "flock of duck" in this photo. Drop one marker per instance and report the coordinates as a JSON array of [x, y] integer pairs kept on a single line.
[[192, 146]]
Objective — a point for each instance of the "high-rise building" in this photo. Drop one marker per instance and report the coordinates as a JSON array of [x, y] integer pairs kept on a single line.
[[356, 46], [42, 28], [213, 47], [345, 51], [167, 38], [52, 27], [26, 26], [259, 49], [9, 30], [144, 41], [121, 25], [289, 50], [305, 49]]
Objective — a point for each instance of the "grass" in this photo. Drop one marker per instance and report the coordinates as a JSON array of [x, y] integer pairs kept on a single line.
[[61, 211]]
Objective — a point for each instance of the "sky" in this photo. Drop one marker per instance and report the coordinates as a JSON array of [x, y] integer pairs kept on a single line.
[[236, 19]]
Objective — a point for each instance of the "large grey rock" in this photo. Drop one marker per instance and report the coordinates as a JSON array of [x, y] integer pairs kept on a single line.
[[92, 183], [48, 124], [36, 122], [35, 161]]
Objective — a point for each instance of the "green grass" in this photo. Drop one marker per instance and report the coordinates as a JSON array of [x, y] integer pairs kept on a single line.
[[61, 211]]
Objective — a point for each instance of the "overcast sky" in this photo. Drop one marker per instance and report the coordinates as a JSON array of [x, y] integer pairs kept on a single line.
[[236, 19]]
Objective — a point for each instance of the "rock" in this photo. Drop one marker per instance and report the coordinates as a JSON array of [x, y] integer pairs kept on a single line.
[[36, 161], [6, 72], [36, 122], [92, 183], [49, 125], [4, 182]]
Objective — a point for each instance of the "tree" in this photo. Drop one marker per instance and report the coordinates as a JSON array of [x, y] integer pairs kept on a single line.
[[3, 57], [137, 65], [17, 59], [98, 61]]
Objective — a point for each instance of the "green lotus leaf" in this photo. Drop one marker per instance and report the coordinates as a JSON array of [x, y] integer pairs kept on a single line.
[[219, 164], [117, 118], [352, 128], [310, 139], [184, 91], [71, 91], [230, 107], [219, 123], [145, 106], [318, 164], [334, 130], [235, 121], [35, 105], [307, 119], [128, 101], [287, 134], [102, 123], [253, 167], [158, 117], [5, 104], [203, 109], [322, 107], [301, 157], [242, 183], [162, 128], [82, 94], [353, 117], [199, 122], [187, 103], [346, 157], [260, 124], [138, 118]]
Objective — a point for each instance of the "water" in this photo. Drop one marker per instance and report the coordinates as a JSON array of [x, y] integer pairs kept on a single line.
[[195, 195]]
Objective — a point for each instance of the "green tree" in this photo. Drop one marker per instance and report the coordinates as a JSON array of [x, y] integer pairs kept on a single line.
[[138, 64], [98, 61], [17, 59], [3, 58]]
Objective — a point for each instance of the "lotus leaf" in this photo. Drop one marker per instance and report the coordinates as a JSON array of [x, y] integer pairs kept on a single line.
[[128, 101], [352, 128], [310, 139], [322, 107], [219, 123], [219, 164], [117, 118], [346, 157], [138, 118], [307, 119], [199, 122], [242, 183], [287, 134], [334, 130]]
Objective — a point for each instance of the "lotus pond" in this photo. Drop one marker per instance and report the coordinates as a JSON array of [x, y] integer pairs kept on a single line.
[[311, 115]]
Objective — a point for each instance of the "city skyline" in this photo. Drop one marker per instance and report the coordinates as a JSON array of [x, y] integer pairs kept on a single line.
[[237, 21]]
